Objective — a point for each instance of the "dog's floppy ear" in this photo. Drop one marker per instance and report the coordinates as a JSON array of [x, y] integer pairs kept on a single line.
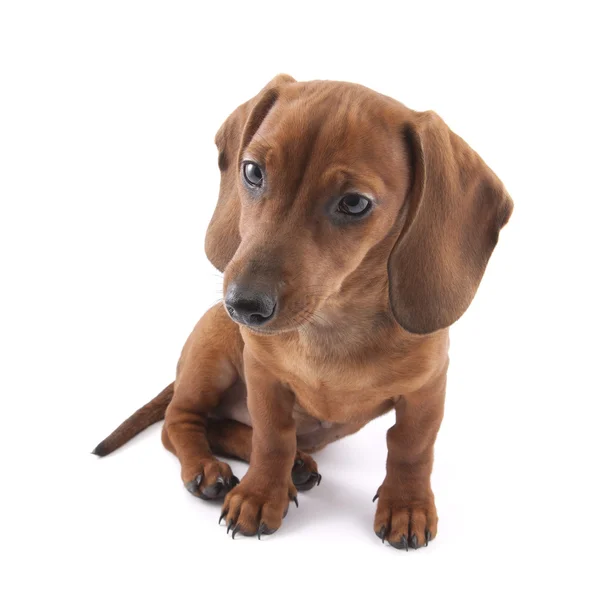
[[222, 236], [455, 211]]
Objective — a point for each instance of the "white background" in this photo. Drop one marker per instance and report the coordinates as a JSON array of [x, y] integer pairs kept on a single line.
[[108, 178]]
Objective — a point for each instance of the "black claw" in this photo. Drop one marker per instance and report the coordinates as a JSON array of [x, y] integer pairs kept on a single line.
[[264, 529], [427, 538], [235, 531], [295, 500], [376, 496], [381, 534], [304, 480], [218, 489], [414, 542], [229, 525], [401, 544], [223, 515], [193, 486], [318, 479], [214, 491]]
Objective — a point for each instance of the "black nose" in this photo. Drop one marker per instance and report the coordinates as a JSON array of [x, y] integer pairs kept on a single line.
[[248, 306]]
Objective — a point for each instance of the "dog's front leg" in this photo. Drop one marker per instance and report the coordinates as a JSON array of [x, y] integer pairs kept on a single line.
[[259, 503], [406, 514]]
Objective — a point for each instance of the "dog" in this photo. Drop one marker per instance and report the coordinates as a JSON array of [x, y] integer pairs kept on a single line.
[[352, 232]]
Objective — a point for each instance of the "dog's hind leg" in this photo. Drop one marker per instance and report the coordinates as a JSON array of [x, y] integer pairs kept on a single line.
[[304, 472], [232, 438], [210, 364]]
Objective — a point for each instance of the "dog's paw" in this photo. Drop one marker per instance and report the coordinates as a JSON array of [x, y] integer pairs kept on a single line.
[[251, 511], [304, 472], [403, 522], [211, 481]]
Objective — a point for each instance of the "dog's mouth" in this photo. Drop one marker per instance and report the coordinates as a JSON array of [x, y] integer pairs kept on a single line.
[[260, 330], [284, 324], [271, 330]]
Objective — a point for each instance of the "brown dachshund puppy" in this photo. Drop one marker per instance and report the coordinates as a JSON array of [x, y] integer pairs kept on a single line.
[[352, 231]]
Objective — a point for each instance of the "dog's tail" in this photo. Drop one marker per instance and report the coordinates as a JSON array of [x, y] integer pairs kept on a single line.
[[145, 416]]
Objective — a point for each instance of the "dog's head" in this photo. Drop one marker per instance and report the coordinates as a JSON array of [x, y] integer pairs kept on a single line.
[[321, 180]]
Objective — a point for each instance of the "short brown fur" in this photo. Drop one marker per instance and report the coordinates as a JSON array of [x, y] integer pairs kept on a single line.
[[363, 308]]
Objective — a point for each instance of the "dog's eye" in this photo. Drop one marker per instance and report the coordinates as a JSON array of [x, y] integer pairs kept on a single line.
[[354, 204], [253, 174]]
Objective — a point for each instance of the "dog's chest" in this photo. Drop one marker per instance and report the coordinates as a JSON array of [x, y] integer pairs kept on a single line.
[[343, 385], [341, 392], [337, 407]]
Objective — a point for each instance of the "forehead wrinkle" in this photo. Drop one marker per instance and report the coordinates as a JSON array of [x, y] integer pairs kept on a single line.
[[327, 133], [294, 139], [259, 149], [302, 141], [347, 156], [340, 180]]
